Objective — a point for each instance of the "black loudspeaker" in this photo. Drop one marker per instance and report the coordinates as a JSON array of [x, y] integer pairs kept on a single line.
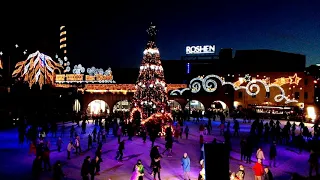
[[216, 161]]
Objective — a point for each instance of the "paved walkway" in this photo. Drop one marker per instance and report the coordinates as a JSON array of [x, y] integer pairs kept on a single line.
[[17, 164]]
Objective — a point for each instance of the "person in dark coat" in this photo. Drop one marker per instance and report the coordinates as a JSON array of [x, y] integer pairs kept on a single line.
[[267, 174], [156, 167], [89, 141], [85, 169], [273, 154], [57, 171], [314, 163], [94, 167], [153, 153], [37, 167], [46, 159], [120, 151]]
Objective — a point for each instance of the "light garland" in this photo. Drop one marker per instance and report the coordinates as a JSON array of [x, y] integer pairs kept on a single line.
[[38, 68], [210, 85], [135, 109], [95, 76], [63, 47]]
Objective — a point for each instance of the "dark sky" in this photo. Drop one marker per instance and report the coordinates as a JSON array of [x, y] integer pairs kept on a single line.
[[113, 34]]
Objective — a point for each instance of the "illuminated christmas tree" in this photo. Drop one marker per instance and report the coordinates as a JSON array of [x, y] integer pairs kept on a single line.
[[151, 91]]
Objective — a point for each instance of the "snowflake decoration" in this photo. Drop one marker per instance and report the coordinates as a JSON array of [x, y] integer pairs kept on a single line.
[[92, 71], [78, 69], [60, 61], [108, 72]]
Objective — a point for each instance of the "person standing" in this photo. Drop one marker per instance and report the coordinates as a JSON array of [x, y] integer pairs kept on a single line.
[[241, 173], [59, 144], [85, 169], [273, 154], [94, 167], [77, 145], [37, 167], [156, 167], [267, 174], [138, 171], [120, 151], [89, 141], [57, 171], [69, 149], [185, 162], [313, 163], [243, 145], [153, 154], [46, 159], [258, 170], [186, 131], [119, 132], [260, 155]]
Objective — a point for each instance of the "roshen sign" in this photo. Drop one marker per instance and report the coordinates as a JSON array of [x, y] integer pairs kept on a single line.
[[207, 49]]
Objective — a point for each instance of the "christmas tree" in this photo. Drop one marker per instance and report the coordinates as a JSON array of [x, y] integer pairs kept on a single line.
[[151, 91]]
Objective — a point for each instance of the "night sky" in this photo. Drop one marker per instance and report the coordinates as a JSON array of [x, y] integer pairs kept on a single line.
[[114, 34]]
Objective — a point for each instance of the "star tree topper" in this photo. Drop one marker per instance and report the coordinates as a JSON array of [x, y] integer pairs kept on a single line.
[[152, 31]]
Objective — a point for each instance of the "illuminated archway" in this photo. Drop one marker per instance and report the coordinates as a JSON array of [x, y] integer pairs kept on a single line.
[[195, 105], [219, 105], [97, 107], [76, 106], [133, 111], [174, 105], [123, 106]]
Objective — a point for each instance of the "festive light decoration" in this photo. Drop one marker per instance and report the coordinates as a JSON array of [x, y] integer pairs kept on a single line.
[[78, 69], [63, 47], [290, 80], [151, 90], [134, 110], [38, 68], [294, 79], [95, 76], [124, 88], [164, 119], [210, 85]]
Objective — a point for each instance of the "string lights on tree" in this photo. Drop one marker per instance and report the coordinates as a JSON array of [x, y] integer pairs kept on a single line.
[[38, 68], [151, 89], [209, 84]]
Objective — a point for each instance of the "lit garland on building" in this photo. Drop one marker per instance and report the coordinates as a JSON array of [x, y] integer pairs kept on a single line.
[[210, 85], [63, 48], [37, 69], [151, 89]]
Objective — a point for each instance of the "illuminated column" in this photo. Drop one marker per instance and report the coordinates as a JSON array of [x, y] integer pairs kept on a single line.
[[63, 48]]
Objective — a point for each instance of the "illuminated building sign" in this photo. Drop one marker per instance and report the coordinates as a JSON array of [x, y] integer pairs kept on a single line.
[[207, 49]]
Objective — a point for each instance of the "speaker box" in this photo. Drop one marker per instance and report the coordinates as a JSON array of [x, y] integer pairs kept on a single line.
[[216, 161]]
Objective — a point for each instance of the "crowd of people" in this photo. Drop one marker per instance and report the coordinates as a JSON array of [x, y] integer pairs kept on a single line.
[[266, 132]]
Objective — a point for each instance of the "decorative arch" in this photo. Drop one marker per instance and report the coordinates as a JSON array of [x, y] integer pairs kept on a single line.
[[98, 106], [134, 110], [195, 104], [123, 105], [223, 104], [174, 105]]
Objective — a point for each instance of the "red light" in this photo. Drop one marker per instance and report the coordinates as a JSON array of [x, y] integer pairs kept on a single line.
[[315, 81]]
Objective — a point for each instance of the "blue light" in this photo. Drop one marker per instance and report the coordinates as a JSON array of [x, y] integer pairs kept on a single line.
[[188, 68]]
